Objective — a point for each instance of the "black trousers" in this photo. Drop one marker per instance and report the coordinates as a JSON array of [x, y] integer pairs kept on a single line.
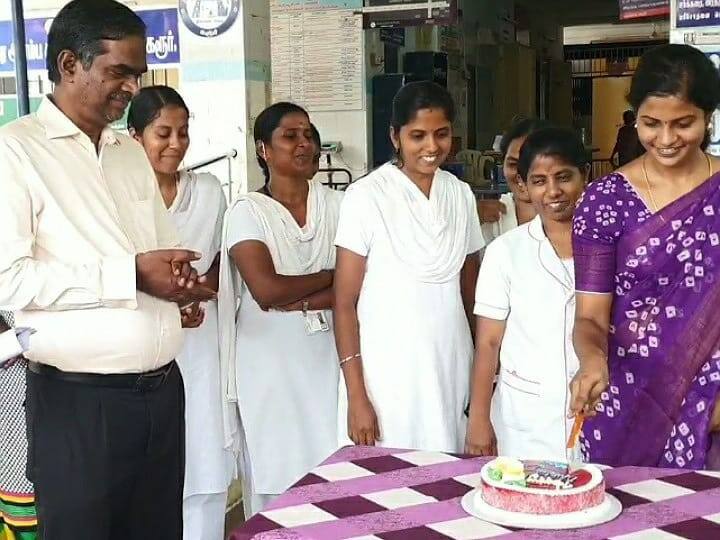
[[107, 463]]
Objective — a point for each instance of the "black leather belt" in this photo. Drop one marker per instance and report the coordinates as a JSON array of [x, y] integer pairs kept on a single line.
[[140, 382]]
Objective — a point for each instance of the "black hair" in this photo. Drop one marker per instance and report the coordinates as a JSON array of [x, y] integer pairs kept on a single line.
[[267, 122], [676, 70], [629, 117], [561, 143], [316, 136], [145, 107], [520, 128], [82, 25], [414, 97]]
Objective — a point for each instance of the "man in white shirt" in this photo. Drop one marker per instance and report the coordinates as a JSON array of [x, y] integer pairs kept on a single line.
[[88, 258]]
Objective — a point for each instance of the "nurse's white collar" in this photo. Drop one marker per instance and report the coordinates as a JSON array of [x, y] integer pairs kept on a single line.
[[535, 228]]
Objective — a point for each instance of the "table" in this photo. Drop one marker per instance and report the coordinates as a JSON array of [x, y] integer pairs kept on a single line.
[[369, 493]]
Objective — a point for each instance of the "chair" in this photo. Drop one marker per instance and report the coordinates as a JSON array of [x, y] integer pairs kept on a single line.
[[476, 165]]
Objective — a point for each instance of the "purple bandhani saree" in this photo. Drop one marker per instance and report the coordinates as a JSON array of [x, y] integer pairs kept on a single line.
[[664, 357]]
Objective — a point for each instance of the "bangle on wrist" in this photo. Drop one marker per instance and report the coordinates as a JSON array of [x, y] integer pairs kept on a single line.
[[348, 358]]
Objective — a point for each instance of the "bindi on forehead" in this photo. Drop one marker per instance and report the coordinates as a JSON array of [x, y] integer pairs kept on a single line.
[[294, 119]]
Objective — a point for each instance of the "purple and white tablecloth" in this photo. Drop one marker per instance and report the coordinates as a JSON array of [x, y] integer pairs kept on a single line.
[[365, 493]]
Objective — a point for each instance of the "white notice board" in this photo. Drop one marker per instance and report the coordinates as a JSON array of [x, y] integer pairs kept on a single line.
[[317, 54]]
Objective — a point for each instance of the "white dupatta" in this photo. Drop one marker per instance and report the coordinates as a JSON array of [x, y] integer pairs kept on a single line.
[[196, 212], [282, 236], [428, 235]]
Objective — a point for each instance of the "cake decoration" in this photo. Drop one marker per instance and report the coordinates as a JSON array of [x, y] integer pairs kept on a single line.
[[540, 487], [508, 471]]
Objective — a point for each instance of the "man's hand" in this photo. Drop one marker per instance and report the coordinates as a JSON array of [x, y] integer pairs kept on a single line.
[[168, 274], [192, 316], [490, 210]]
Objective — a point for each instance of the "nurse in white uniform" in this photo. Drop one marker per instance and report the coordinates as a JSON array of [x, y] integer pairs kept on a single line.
[[408, 255], [525, 304], [515, 207], [158, 119], [275, 298]]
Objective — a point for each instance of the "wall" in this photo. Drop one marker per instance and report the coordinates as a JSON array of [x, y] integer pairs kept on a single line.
[[504, 43], [352, 128], [42, 8], [609, 103], [234, 70], [707, 39], [484, 25], [225, 80]]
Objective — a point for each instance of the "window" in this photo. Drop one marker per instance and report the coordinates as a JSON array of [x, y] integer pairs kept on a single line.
[[7, 86]]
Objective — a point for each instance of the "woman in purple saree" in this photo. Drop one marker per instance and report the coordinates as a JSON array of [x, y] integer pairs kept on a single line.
[[647, 261]]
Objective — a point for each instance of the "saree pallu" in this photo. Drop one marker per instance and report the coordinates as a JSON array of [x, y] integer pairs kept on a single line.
[[663, 347]]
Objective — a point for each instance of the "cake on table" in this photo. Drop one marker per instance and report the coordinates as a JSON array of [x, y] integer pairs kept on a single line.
[[540, 487]]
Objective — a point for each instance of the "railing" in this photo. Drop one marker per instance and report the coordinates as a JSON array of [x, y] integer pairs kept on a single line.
[[331, 183], [330, 171], [604, 59], [211, 161]]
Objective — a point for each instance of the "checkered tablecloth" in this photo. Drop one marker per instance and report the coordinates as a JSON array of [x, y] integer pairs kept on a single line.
[[381, 493]]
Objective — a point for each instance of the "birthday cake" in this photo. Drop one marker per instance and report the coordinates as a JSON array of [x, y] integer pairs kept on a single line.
[[540, 487]]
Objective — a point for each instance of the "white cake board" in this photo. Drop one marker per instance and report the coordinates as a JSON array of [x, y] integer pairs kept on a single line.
[[608, 510]]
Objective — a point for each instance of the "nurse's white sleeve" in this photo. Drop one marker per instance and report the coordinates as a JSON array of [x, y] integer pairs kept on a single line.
[[354, 231], [492, 294], [242, 225]]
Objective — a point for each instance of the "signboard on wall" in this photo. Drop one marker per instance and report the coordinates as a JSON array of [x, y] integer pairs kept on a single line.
[[692, 13], [162, 42], [714, 146], [641, 9], [395, 16], [317, 54], [209, 18]]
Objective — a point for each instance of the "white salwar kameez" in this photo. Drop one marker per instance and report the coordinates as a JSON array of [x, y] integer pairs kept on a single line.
[[197, 212], [284, 380], [414, 335]]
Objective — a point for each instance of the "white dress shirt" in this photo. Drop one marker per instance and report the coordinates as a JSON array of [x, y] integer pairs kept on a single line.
[[73, 217]]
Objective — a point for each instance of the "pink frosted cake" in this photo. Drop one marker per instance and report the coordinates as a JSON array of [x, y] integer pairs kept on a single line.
[[540, 487]]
